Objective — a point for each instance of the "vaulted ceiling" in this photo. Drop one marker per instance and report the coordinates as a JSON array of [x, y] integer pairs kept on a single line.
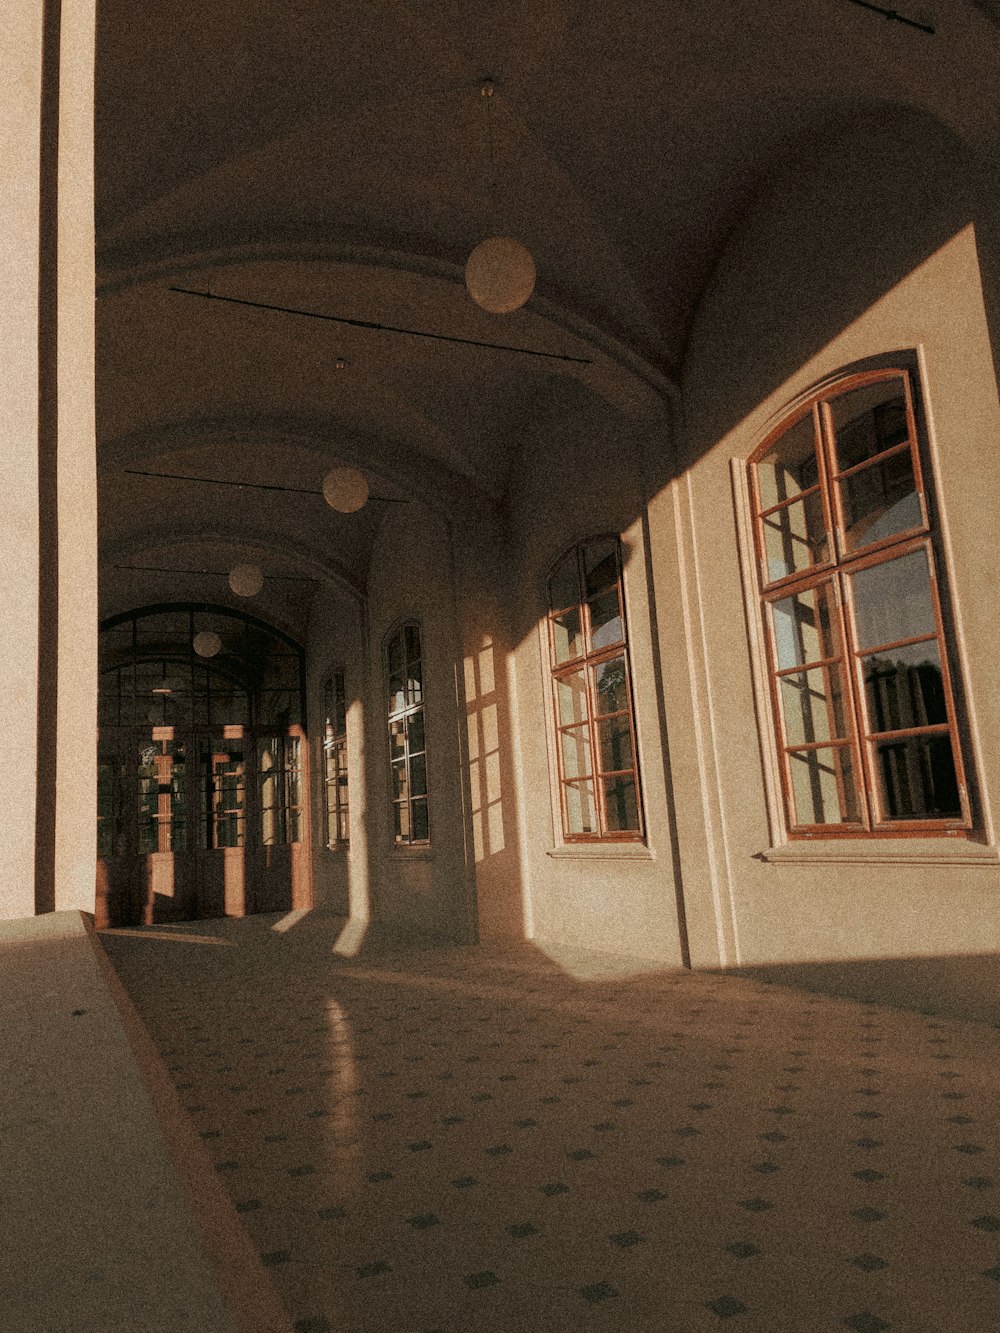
[[341, 159]]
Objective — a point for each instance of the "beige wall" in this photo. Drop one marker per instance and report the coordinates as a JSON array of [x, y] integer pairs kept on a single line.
[[580, 475], [422, 889], [871, 248]]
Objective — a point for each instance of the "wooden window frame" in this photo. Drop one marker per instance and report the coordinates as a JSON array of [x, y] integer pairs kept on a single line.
[[587, 662], [336, 794], [836, 572], [403, 716]]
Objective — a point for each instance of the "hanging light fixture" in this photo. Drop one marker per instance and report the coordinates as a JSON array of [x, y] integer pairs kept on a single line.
[[246, 580], [345, 489], [207, 643], [500, 273]]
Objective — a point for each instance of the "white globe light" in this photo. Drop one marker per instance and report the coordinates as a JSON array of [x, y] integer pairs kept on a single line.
[[207, 643], [345, 489], [246, 580], [500, 274]]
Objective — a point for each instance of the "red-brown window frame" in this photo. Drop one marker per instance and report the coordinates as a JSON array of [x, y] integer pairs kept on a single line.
[[837, 571], [587, 662]]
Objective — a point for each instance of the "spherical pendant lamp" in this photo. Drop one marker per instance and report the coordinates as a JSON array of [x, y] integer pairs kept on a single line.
[[500, 274], [246, 580], [207, 643], [345, 489]]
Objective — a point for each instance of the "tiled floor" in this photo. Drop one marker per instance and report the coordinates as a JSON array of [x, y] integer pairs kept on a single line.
[[471, 1139]]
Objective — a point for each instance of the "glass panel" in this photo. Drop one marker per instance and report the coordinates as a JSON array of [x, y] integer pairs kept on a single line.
[[606, 625], [161, 784], [612, 686], [803, 627], [564, 585], [600, 566], [869, 420], [567, 635], [106, 808], [268, 771], [789, 466], [411, 634], [880, 500], [576, 752], [418, 775], [620, 806], [277, 708], [397, 739], [421, 824], [795, 537], [415, 731], [823, 789], [397, 695], [616, 744], [892, 600], [414, 683], [399, 784], [812, 706], [580, 807], [402, 821], [917, 779], [571, 697], [904, 688], [224, 780]]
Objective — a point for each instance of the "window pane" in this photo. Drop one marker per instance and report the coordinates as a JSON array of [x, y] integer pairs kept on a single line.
[[916, 778], [402, 817], [411, 635], [812, 706], [605, 620], [421, 824], [567, 635], [789, 466], [616, 744], [415, 731], [399, 784], [571, 696], [620, 806], [418, 775], [414, 683], [612, 686], [576, 752], [600, 566], [869, 420], [397, 695], [564, 585], [395, 655], [823, 788], [580, 807], [803, 627], [892, 601], [880, 500], [795, 537], [905, 688], [397, 739]]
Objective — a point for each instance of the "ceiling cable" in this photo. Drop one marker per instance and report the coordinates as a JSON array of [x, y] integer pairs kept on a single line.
[[895, 15], [247, 485], [385, 328]]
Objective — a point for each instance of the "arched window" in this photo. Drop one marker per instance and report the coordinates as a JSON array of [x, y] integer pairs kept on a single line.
[[407, 746], [592, 695], [335, 760], [852, 612]]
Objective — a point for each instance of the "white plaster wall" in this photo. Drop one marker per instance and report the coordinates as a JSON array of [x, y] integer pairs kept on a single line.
[[417, 889], [580, 475], [871, 248], [335, 639]]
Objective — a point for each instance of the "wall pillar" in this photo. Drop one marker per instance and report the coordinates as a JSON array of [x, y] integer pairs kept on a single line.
[[48, 536]]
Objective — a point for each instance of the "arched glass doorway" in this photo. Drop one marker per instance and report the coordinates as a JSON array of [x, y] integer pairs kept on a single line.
[[202, 805]]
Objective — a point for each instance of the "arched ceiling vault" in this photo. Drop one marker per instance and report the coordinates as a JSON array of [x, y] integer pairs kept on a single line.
[[341, 160]]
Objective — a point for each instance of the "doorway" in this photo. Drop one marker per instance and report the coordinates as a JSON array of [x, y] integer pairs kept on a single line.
[[202, 768]]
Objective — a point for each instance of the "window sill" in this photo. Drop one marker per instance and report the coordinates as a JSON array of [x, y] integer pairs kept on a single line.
[[874, 851], [411, 854], [602, 851]]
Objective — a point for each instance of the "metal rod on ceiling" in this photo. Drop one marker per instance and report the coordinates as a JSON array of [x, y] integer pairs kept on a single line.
[[247, 485], [385, 328], [218, 573], [895, 15]]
